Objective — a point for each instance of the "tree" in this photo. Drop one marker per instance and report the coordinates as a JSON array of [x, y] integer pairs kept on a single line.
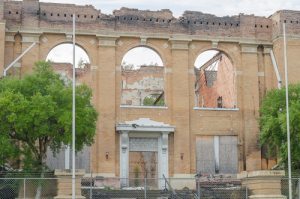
[[151, 99], [36, 113], [273, 124]]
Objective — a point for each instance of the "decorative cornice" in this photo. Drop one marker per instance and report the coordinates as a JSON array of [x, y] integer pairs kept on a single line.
[[30, 37], [107, 41], [180, 43], [248, 47]]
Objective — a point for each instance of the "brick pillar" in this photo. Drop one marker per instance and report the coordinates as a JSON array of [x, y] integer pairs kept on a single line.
[[2, 45], [250, 106], [105, 139], [32, 56], [180, 106]]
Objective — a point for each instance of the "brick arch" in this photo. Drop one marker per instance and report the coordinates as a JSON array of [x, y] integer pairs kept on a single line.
[[58, 42], [213, 91], [131, 46], [234, 59]]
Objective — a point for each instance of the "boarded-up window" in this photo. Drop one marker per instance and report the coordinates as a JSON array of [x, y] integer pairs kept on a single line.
[[205, 154], [216, 154], [228, 154], [82, 159]]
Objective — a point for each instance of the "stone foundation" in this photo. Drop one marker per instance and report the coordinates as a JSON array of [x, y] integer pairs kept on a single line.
[[64, 184], [263, 184]]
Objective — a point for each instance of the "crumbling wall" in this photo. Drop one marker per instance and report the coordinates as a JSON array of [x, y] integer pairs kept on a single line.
[[66, 71], [217, 83], [52, 15], [140, 83]]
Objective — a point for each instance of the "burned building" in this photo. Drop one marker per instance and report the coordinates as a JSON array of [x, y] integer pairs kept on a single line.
[[208, 120]]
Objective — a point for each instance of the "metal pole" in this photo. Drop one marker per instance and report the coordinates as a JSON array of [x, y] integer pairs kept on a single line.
[[287, 113], [18, 58], [73, 115], [198, 188], [91, 184], [145, 188], [24, 187], [298, 188]]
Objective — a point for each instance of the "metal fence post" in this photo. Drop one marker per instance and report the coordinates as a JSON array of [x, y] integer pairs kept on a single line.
[[145, 188], [298, 188], [246, 188], [198, 188], [91, 184], [24, 187]]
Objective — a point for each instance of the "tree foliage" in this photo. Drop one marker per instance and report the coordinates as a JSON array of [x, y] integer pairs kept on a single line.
[[36, 113], [273, 124], [150, 101]]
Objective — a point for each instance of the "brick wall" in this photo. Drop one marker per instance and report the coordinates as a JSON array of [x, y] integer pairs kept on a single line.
[[217, 83]]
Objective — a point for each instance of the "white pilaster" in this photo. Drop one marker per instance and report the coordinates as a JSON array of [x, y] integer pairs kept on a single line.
[[124, 158], [163, 153]]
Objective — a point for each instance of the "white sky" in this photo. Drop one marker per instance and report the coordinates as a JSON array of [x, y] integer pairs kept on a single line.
[[217, 7], [64, 53], [136, 56]]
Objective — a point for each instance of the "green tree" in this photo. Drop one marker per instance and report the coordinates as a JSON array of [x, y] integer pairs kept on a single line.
[[151, 99], [36, 113], [273, 129]]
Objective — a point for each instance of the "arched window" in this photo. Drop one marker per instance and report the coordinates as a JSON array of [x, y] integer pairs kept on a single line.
[[61, 59], [215, 80], [142, 75]]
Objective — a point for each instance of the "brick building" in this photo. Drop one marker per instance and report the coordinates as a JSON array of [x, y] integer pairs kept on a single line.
[[182, 137]]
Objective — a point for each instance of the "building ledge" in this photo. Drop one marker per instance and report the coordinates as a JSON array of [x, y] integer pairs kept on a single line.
[[215, 109], [144, 107]]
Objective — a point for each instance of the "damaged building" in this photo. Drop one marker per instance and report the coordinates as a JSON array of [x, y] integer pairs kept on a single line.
[[174, 119]]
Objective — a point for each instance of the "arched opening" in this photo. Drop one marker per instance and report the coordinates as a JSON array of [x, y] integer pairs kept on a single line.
[[215, 80], [142, 78], [61, 59]]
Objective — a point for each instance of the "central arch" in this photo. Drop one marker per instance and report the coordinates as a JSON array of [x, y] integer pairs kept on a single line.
[[142, 76]]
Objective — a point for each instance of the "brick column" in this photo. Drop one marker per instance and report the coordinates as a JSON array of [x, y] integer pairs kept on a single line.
[[250, 106], [105, 139], [180, 106], [33, 55], [2, 44]]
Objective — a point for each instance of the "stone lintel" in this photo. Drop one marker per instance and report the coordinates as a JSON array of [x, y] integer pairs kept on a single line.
[[30, 37], [107, 41], [214, 43], [248, 48], [143, 40], [267, 49], [180, 43], [69, 36], [10, 38]]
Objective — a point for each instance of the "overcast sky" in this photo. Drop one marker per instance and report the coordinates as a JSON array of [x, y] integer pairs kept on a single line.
[[216, 7]]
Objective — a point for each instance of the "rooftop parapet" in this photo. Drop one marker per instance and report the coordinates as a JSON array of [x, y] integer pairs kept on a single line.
[[58, 17]]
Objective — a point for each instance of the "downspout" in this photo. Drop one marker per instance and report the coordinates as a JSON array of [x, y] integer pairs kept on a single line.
[[18, 58], [276, 69]]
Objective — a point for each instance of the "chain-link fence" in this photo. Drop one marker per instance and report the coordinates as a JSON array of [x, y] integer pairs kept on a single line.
[[26, 188], [219, 187], [181, 188], [295, 187]]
